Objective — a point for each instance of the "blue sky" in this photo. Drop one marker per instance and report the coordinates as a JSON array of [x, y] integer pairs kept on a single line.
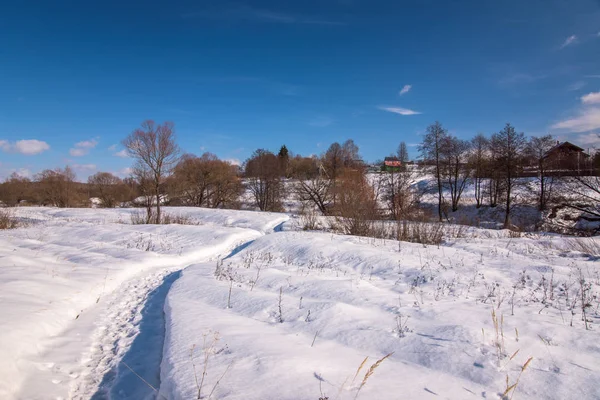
[[76, 77]]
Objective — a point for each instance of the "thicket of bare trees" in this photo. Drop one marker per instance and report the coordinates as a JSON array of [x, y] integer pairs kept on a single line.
[[205, 181], [59, 188], [264, 179], [109, 188], [16, 189]]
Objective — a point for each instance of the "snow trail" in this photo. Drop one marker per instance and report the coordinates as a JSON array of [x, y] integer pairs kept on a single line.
[[125, 359]]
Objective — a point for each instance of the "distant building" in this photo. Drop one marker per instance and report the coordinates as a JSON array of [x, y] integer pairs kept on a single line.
[[391, 164], [567, 156]]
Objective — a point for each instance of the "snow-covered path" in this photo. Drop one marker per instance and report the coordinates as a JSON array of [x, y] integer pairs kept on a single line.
[[81, 292]]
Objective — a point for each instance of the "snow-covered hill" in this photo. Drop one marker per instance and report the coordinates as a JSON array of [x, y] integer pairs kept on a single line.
[[243, 306]]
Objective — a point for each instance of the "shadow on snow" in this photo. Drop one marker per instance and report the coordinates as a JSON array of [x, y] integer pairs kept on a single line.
[[144, 355]]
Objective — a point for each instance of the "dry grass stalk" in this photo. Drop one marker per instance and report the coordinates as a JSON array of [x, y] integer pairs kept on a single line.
[[370, 372], [362, 364], [513, 388]]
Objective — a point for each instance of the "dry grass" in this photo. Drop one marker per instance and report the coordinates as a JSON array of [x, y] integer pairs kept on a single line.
[[420, 232], [8, 219], [511, 389], [588, 246], [141, 218]]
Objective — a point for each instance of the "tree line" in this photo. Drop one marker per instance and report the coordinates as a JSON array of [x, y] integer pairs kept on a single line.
[[335, 183]]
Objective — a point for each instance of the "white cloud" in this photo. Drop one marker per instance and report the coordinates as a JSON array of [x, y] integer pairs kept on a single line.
[[87, 144], [233, 161], [569, 41], [112, 147], [399, 110], [405, 89], [78, 152], [123, 154], [28, 147], [591, 98], [82, 148], [587, 120], [588, 117], [125, 172]]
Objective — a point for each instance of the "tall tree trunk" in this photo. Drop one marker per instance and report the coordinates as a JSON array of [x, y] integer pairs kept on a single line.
[[158, 216]]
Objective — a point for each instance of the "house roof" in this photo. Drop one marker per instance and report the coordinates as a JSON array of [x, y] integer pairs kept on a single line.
[[565, 146]]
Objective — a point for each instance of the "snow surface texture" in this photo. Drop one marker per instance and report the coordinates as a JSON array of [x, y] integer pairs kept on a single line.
[[356, 297], [241, 306], [78, 288]]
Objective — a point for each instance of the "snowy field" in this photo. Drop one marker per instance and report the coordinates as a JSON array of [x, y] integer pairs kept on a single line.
[[243, 306]]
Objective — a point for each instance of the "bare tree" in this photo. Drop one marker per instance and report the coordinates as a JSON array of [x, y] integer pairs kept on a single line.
[[144, 187], [510, 145], [313, 187], [264, 180], [107, 187], [478, 160], [402, 154], [537, 151], [432, 151], [495, 187], [333, 160], [456, 171], [350, 154], [156, 152]]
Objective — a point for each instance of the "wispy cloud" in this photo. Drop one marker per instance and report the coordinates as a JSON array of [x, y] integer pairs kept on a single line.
[[588, 139], [591, 98], [569, 41], [576, 86], [112, 147], [321, 122], [28, 147], [84, 167], [82, 148], [405, 90], [245, 13], [399, 110], [520, 78]]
